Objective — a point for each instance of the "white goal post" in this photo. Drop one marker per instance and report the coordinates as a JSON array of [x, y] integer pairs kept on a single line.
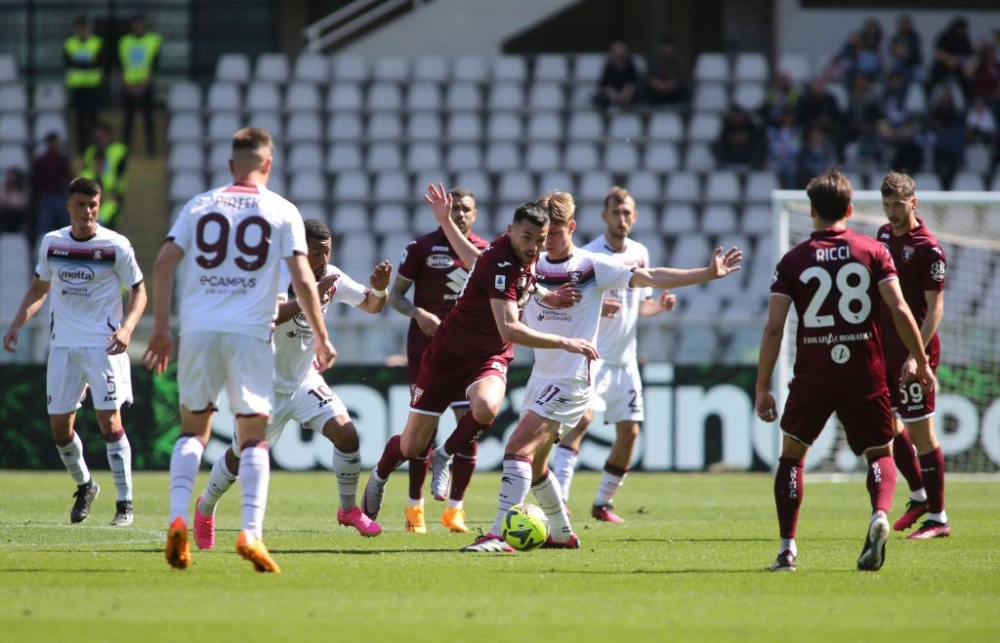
[[968, 401]]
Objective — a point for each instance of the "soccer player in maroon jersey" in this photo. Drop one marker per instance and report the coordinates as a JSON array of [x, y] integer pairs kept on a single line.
[[921, 264], [837, 280], [469, 354], [432, 267]]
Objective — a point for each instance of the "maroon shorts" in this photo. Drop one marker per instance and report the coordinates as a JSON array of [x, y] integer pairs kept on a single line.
[[908, 400], [445, 377], [867, 420]]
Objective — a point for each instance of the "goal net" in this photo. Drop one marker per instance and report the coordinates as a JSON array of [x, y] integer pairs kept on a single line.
[[967, 419]]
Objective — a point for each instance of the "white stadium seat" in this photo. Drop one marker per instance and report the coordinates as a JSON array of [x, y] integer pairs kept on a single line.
[[344, 97], [751, 67], [311, 68], [232, 68], [711, 67], [272, 68]]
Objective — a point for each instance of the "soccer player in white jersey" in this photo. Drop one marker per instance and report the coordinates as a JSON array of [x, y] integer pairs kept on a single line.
[[617, 386], [559, 390], [88, 334], [230, 242], [301, 394]]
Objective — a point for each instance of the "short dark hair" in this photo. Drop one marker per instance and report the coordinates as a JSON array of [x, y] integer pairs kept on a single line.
[[532, 213], [316, 229], [898, 184], [461, 193], [80, 185], [830, 194], [80, 20]]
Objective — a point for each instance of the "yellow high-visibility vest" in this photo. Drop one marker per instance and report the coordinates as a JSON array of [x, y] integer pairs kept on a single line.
[[136, 55], [111, 184], [83, 51]]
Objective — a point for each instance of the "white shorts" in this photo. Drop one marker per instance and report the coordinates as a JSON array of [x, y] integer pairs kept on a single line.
[[209, 361], [618, 391], [564, 401], [312, 405], [72, 369]]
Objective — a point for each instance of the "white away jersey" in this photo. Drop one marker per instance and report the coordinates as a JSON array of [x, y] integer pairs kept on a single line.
[[594, 275], [86, 284], [293, 341], [234, 239], [616, 335]]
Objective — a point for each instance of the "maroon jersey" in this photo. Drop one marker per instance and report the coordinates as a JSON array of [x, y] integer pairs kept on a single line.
[[832, 280], [921, 264], [470, 328], [438, 276]]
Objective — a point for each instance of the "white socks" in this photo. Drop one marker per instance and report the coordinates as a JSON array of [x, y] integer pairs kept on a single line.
[[254, 476], [219, 482], [920, 495], [455, 504], [514, 485], [550, 500], [609, 485], [72, 456], [563, 466], [789, 545], [184, 463], [120, 461], [347, 467]]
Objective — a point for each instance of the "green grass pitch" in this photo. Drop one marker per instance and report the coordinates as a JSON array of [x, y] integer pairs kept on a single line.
[[687, 565]]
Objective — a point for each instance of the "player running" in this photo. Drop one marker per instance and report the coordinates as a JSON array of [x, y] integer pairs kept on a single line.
[[837, 280], [301, 393], [230, 242], [559, 390], [617, 385]]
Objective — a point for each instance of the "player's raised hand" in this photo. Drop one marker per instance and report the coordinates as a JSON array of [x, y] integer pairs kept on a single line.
[[440, 201], [10, 339], [724, 264], [582, 347], [158, 351], [326, 354], [381, 274], [765, 406], [564, 296]]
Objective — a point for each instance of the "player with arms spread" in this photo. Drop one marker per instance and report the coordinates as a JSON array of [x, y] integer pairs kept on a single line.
[[559, 390], [836, 280], [617, 385], [921, 264], [230, 242], [89, 334], [437, 274], [301, 393], [469, 354]]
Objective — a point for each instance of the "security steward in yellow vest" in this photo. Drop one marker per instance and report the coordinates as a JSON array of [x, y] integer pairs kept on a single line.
[[83, 57], [105, 162], [139, 56]]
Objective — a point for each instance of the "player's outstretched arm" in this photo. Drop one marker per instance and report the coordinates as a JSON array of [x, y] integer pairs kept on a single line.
[[375, 298], [770, 346], [722, 264], [908, 331], [304, 285], [33, 299], [161, 341], [512, 330], [440, 201], [122, 336]]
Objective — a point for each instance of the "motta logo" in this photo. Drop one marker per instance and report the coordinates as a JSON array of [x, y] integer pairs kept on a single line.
[[76, 275]]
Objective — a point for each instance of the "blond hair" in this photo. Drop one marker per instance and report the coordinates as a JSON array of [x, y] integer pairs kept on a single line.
[[560, 206], [898, 184]]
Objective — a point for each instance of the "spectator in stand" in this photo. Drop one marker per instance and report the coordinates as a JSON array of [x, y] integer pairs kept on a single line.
[[906, 49], [818, 108], [952, 51], [667, 83], [984, 72], [784, 146], [14, 201], [106, 162], [863, 111], [948, 129], [83, 58], [818, 156], [139, 56], [980, 124], [906, 141], [50, 177], [861, 54], [741, 141], [894, 101], [619, 80], [782, 96]]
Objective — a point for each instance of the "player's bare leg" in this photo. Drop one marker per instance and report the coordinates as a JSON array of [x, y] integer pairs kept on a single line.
[[615, 469], [119, 461], [196, 427], [788, 488], [463, 465], [881, 483], [905, 456], [932, 470], [347, 467], [70, 449], [485, 398], [567, 453], [419, 430]]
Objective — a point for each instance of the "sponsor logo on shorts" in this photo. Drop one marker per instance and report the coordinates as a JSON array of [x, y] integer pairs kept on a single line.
[[440, 261], [76, 275]]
